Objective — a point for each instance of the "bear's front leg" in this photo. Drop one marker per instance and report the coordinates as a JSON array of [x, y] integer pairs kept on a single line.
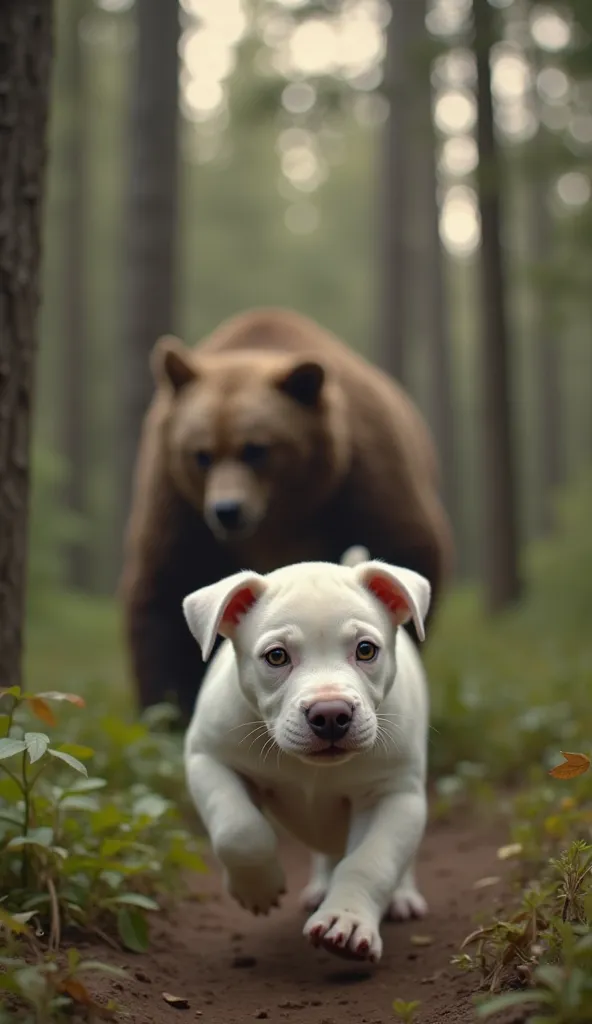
[[241, 837], [382, 843]]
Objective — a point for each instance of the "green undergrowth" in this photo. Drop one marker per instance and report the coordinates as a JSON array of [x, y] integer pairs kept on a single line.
[[91, 842]]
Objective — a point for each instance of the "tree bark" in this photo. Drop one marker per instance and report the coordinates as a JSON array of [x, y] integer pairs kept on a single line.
[[425, 256], [75, 351], [499, 487], [392, 195], [25, 60], [151, 219]]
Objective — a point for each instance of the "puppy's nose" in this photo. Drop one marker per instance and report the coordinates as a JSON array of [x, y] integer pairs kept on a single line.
[[329, 719], [229, 514]]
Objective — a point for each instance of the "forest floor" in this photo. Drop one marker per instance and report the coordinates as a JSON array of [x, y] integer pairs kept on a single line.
[[231, 967]]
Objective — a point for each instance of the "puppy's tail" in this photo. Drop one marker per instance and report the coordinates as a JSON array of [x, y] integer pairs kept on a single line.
[[355, 556]]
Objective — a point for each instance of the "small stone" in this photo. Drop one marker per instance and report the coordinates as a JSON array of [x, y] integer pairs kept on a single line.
[[142, 976], [261, 1015], [244, 961]]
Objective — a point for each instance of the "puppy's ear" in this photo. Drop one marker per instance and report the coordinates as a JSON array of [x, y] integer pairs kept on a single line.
[[304, 383], [171, 363], [220, 607], [405, 593]]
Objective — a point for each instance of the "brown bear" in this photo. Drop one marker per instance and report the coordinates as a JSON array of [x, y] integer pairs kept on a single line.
[[269, 443]]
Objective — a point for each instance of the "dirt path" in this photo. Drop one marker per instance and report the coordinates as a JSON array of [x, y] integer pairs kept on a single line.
[[232, 967]]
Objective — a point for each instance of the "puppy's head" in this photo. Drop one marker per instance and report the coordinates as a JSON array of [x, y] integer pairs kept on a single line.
[[315, 648]]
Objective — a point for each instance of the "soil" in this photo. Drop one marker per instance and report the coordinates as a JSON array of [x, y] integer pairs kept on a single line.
[[231, 967]]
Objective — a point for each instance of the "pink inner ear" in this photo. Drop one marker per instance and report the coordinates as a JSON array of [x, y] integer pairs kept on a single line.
[[388, 594], [238, 606]]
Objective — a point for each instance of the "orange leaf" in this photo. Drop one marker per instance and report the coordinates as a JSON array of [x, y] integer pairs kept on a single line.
[[574, 765], [76, 990], [42, 710]]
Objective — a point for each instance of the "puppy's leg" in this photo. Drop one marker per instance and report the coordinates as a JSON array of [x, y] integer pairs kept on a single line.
[[382, 843], [314, 893], [407, 901], [242, 839]]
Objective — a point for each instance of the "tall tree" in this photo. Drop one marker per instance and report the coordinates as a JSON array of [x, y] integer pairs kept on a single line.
[[499, 486], [74, 405], [392, 198], [151, 217], [26, 46], [425, 254]]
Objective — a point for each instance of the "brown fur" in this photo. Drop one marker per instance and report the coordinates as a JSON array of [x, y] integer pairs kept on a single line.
[[352, 463]]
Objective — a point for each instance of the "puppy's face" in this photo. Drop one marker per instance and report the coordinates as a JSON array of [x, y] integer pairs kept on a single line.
[[315, 648]]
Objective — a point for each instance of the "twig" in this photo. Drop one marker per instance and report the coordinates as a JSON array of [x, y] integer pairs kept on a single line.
[[55, 927]]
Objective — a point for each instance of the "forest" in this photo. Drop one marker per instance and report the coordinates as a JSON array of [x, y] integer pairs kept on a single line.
[[416, 176]]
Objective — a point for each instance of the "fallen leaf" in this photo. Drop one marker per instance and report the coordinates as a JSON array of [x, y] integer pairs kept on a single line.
[[77, 991], [177, 1001], [42, 710], [421, 940], [574, 765], [511, 850], [484, 883]]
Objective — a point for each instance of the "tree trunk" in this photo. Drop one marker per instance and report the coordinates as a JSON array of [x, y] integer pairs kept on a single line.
[[425, 255], [75, 350], [392, 197], [25, 49], [501, 541], [151, 218]]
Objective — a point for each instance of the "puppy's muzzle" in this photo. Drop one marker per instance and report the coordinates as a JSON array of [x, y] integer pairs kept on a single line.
[[329, 719]]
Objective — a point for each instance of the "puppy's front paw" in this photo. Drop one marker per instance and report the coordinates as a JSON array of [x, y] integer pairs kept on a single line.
[[257, 889], [407, 903], [354, 936]]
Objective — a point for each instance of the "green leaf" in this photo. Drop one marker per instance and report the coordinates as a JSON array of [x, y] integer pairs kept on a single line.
[[9, 747], [72, 761], [36, 837], [10, 691], [37, 743], [511, 999], [98, 965], [84, 785], [151, 805], [80, 803], [133, 930], [11, 922], [134, 899]]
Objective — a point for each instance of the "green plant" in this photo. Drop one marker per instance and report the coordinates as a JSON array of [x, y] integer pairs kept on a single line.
[[37, 989], [406, 1012], [76, 852]]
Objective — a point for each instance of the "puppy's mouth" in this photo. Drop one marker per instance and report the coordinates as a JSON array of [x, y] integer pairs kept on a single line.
[[329, 754]]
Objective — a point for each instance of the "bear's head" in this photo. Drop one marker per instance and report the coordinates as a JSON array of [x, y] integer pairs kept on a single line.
[[255, 440]]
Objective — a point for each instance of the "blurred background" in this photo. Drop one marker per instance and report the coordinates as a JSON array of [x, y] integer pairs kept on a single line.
[[416, 175]]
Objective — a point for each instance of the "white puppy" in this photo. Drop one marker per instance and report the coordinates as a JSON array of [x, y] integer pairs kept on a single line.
[[314, 716]]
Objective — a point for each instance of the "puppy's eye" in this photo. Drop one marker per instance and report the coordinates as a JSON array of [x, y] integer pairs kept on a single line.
[[254, 454], [277, 657], [366, 651], [203, 459]]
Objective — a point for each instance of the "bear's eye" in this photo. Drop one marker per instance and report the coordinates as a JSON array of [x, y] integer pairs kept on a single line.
[[254, 454], [203, 459], [277, 657], [366, 651]]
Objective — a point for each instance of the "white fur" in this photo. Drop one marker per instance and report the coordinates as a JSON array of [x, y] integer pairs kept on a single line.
[[253, 763]]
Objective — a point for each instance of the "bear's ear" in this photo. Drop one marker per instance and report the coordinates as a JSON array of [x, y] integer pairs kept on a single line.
[[405, 594], [171, 363], [304, 383], [220, 608]]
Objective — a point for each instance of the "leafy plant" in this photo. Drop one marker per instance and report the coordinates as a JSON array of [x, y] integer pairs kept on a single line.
[[44, 989], [406, 1012], [74, 853]]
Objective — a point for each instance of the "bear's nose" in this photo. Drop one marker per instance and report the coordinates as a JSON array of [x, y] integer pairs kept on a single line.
[[229, 514], [329, 719]]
